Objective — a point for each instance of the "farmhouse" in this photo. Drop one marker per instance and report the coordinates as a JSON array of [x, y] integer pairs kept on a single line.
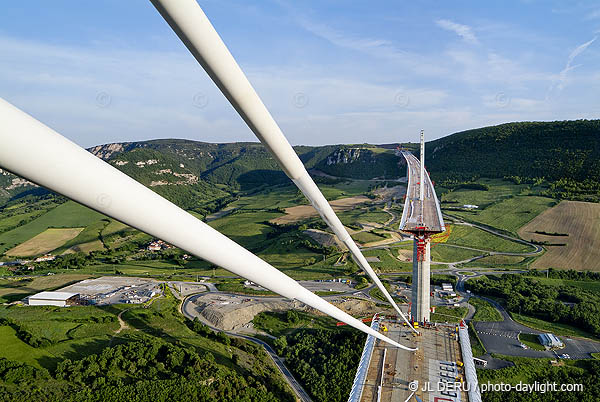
[[60, 299]]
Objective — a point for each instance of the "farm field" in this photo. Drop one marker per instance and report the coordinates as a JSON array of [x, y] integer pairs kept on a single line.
[[45, 242], [468, 236], [498, 190], [509, 214], [67, 215], [581, 221], [302, 212]]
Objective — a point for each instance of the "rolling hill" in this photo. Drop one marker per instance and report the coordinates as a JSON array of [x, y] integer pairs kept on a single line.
[[566, 154]]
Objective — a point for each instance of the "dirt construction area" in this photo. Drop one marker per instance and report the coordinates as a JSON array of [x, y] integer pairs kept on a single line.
[[45, 242], [301, 212], [574, 228], [235, 312]]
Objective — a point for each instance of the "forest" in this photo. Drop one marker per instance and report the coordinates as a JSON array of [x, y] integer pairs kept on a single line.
[[324, 361], [566, 154], [149, 369], [560, 304]]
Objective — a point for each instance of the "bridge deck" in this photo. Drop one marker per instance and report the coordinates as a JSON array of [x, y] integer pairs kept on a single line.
[[425, 215]]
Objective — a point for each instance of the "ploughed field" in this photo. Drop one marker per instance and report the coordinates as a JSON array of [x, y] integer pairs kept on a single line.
[[574, 229]]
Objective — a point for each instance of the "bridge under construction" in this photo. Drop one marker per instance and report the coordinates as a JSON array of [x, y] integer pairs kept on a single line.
[[442, 368], [422, 218]]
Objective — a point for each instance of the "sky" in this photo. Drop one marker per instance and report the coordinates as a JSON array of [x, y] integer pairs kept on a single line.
[[329, 71]]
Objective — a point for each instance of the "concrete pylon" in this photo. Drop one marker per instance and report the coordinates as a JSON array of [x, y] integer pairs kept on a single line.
[[420, 308]]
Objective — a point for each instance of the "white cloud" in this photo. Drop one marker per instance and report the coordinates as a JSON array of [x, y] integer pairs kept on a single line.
[[561, 81], [379, 48], [464, 31]]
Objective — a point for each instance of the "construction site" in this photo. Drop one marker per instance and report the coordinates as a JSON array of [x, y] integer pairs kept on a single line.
[[435, 372]]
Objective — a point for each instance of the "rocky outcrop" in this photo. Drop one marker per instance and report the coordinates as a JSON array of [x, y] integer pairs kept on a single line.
[[106, 151]]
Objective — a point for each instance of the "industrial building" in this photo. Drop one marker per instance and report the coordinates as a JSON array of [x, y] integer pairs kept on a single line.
[[550, 340], [447, 287], [60, 299]]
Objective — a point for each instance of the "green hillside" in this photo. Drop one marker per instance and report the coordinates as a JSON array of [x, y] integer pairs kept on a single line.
[[564, 153]]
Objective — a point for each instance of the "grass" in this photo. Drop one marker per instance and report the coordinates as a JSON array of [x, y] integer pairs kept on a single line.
[[468, 236], [509, 214], [592, 286], [447, 253], [525, 370], [532, 341], [13, 348], [368, 237], [449, 314], [484, 310], [82, 330], [237, 287], [477, 347], [16, 289], [67, 215], [378, 294], [89, 236], [552, 327], [498, 190], [496, 261], [11, 221], [276, 323], [354, 217], [387, 263], [246, 228], [45, 242]]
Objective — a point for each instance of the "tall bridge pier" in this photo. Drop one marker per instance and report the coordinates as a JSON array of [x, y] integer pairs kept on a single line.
[[420, 306]]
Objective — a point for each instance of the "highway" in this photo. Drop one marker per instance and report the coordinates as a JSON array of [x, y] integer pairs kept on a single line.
[[188, 310], [417, 213]]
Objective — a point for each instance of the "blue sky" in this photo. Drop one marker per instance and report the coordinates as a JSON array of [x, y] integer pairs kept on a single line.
[[329, 71]]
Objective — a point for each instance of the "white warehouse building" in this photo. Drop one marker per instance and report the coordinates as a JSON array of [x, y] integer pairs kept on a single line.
[[60, 299], [550, 340]]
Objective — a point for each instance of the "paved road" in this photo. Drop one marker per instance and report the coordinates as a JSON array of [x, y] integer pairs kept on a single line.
[[188, 309], [502, 337]]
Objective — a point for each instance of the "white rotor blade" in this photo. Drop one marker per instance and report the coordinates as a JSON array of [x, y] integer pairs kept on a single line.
[[36, 152], [194, 29]]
